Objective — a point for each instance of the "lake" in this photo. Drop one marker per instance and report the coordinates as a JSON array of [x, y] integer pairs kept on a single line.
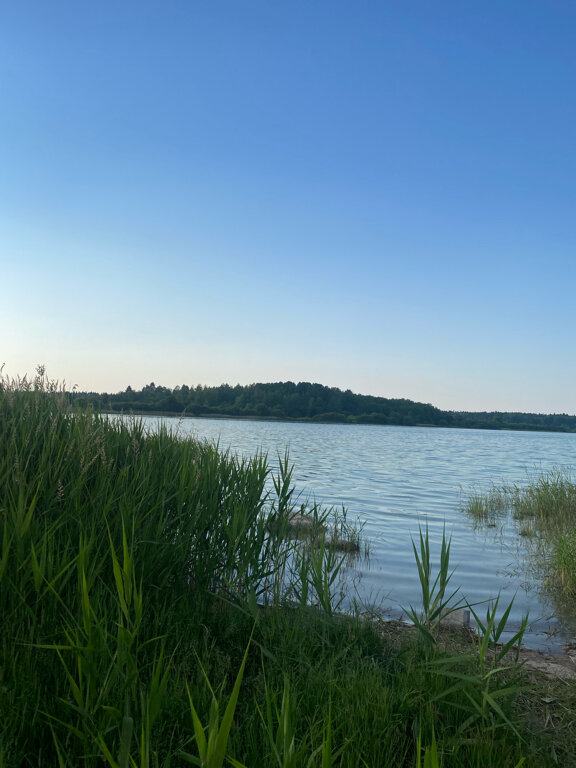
[[395, 479]]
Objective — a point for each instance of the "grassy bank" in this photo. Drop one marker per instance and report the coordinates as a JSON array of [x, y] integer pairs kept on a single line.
[[156, 613]]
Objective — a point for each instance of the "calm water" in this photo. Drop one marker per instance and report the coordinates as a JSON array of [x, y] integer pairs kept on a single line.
[[394, 479]]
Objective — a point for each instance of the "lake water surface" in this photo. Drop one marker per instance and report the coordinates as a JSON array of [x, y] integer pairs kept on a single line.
[[394, 479]]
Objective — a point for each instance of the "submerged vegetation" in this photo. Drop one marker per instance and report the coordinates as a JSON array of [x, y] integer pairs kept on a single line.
[[310, 402], [545, 510], [157, 611]]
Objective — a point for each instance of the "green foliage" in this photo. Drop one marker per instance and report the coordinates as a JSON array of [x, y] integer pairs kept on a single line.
[[487, 687], [437, 604], [310, 402], [136, 567], [282, 400], [540, 422], [545, 509], [479, 690], [427, 757], [212, 748], [564, 562]]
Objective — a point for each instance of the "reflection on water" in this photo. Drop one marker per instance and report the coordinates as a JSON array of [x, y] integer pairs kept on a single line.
[[397, 478]]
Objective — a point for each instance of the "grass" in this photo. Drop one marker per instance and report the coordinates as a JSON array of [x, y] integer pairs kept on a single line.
[[437, 604], [488, 507], [154, 613], [545, 510]]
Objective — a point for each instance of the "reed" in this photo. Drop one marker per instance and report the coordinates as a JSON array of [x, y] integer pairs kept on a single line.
[[135, 568], [438, 602], [545, 509]]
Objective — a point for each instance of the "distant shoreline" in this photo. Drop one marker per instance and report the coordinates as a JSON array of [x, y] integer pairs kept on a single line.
[[505, 427], [304, 402]]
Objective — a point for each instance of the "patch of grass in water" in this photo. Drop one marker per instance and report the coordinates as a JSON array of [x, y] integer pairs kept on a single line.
[[488, 508], [564, 563], [546, 512]]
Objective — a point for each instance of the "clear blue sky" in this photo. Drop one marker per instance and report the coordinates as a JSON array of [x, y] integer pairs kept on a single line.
[[372, 195]]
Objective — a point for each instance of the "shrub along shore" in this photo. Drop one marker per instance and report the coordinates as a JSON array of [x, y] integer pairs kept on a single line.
[[156, 611]]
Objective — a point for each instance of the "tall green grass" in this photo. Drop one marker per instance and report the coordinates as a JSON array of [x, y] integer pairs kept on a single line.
[[154, 612], [113, 541], [545, 509]]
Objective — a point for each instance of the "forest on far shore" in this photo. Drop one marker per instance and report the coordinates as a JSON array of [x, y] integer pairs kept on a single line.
[[310, 402]]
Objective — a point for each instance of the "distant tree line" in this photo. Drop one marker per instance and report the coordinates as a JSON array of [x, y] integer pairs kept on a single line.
[[544, 422], [309, 402]]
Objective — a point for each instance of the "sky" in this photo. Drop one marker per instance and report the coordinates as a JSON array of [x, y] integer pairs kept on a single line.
[[377, 196]]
